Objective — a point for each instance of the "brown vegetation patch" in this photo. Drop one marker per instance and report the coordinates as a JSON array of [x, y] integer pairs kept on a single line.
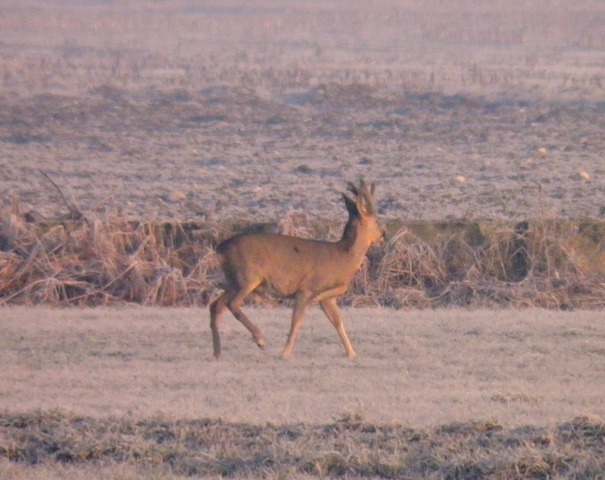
[[92, 261], [349, 447]]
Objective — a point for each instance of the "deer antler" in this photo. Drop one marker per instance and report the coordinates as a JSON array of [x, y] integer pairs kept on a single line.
[[364, 196]]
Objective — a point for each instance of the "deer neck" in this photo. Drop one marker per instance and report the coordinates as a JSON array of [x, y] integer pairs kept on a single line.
[[354, 240]]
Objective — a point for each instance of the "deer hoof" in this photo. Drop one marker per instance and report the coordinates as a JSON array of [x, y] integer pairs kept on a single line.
[[261, 343]]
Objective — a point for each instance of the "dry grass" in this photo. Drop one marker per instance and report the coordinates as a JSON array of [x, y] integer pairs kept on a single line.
[[135, 391], [543, 263], [94, 262], [348, 448], [415, 367]]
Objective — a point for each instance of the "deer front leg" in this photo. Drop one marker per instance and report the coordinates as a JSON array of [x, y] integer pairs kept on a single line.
[[302, 301], [330, 308]]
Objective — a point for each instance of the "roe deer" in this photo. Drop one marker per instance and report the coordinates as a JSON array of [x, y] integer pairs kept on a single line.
[[308, 270]]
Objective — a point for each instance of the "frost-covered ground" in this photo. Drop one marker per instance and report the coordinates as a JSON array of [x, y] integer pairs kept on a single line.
[[181, 111]]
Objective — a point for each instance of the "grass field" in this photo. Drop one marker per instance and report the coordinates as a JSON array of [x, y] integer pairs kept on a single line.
[[107, 381]]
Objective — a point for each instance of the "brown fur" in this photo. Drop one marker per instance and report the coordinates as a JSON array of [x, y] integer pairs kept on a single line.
[[308, 270]]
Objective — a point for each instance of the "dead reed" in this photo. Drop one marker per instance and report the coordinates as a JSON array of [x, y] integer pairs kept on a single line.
[[98, 261], [543, 263]]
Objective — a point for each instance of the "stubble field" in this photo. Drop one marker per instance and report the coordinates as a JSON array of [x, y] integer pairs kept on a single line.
[[260, 111], [179, 111]]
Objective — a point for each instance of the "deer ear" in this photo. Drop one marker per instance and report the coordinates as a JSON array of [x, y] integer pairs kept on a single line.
[[352, 188], [351, 205]]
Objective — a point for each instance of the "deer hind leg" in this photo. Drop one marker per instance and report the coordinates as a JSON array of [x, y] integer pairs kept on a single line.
[[302, 301], [234, 304], [330, 308], [216, 309]]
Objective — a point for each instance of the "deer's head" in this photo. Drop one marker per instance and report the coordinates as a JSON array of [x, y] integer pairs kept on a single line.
[[362, 210]]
